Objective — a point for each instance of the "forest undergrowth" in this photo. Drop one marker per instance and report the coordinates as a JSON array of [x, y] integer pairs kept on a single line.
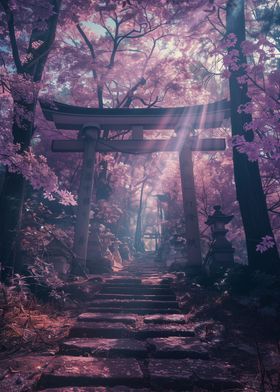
[[37, 309], [235, 312], [238, 314]]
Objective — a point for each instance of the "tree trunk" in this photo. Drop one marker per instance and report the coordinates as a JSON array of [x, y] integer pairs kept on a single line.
[[11, 205], [138, 243], [12, 194], [249, 189]]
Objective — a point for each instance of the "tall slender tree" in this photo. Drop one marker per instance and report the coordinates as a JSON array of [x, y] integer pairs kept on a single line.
[[29, 66], [248, 182]]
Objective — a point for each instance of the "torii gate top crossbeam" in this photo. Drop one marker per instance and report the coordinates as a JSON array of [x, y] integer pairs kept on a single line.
[[191, 117]]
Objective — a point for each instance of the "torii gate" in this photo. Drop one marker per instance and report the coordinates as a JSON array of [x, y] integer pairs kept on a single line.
[[90, 121]]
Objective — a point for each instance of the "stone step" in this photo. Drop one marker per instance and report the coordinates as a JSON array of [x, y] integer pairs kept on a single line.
[[123, 280], [130, 311], [69, 371], [178, 347], [156, 280], [107, 317], [97, 389], [110, 346], [91, 329], [187, 374], [171, 347], [140, 286], [162, 331], [99, 347], [106, 289], [134, 304], [136, 296], [148, 272], [162, 319]]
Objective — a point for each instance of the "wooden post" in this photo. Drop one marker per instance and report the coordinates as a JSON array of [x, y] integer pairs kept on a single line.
[[190, 208], [90, 134]]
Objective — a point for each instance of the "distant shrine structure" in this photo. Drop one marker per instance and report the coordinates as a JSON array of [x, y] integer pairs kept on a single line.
[[90, 122]]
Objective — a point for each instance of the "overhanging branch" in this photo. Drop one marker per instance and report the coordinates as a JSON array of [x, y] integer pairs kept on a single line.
[[12, 35]]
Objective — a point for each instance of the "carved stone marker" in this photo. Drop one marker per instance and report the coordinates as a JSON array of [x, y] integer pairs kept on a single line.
[[221, 252]]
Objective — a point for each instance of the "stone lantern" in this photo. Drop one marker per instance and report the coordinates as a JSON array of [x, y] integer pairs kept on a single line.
[[221, 251]]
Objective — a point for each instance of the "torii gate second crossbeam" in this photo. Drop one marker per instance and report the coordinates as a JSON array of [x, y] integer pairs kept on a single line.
[[91, 121]]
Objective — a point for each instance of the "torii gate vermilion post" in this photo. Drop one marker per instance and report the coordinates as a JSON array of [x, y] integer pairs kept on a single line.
[[90, 121]]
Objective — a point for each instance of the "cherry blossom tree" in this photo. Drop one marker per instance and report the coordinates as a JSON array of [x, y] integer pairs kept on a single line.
[[122, 54], [249, 189], [26, 57]]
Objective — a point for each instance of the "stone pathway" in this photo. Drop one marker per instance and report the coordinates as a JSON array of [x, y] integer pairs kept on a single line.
[[135, 338]]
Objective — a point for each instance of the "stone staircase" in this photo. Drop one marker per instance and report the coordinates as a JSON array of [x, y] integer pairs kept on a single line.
[[135, 338]]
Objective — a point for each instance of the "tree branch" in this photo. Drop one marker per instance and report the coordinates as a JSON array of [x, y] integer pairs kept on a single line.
[[39, 55], [126, 102], [93, 56], [87, 41], [12, 35], [215, 27]]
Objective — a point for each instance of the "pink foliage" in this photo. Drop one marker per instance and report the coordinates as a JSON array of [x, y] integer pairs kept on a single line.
[[19, 95], [263, 89], [266, 243], [34, 168]]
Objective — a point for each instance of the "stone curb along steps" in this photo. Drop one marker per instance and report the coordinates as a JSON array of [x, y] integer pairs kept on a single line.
[[135, 338]]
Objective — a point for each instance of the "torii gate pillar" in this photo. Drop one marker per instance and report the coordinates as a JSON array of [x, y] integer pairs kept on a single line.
[[190, 209], [90, 134]]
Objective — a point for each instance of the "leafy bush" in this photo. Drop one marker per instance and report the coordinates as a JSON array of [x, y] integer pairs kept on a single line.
[[240, 280], [44, 282]]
